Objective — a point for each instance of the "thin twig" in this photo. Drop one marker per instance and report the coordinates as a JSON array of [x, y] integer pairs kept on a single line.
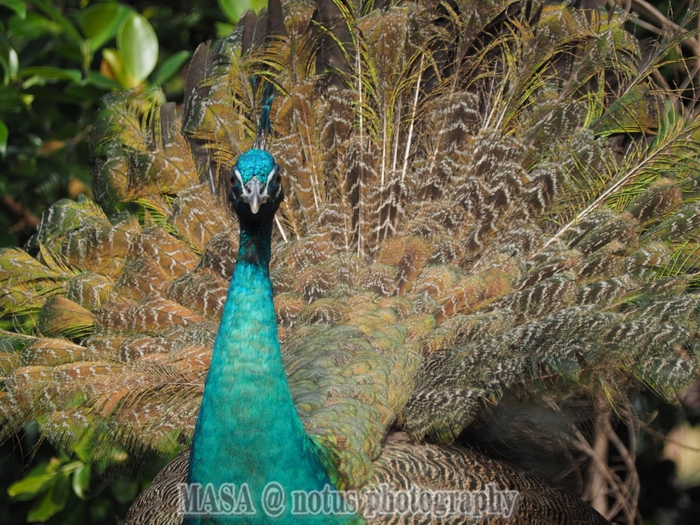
[[27, 220]]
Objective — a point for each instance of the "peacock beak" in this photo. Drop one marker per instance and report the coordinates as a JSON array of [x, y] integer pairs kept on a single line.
[[255, 194]]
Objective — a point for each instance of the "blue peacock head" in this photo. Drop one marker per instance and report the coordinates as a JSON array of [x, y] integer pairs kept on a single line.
[[256, 190]]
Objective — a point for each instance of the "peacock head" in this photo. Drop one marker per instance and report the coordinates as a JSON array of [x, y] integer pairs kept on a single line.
[[256, 190]]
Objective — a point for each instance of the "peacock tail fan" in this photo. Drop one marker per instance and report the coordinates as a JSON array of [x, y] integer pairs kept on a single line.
[[482, 197]]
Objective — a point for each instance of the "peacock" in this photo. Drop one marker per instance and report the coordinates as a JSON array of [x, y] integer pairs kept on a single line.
[[421, 230]]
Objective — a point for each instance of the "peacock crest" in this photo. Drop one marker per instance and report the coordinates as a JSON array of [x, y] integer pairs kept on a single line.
[[484, 201]]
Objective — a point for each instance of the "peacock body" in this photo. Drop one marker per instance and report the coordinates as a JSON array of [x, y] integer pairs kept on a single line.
[[482, 198], [247, 410]]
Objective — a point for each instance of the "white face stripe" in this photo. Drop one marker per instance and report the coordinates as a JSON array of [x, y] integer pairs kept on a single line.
[[271, 174]]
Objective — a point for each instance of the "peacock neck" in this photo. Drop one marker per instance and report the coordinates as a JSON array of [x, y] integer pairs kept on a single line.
[[248, 431], [254, 250]]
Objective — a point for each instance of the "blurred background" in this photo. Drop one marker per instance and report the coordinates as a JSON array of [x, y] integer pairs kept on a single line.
[[57, 59]]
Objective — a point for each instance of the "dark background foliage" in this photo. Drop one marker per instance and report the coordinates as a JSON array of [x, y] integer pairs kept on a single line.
[[49, 118]]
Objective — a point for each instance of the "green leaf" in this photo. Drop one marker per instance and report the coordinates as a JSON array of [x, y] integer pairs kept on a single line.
[[223, 29], [17, 6], [138, 44], [80, 93], [52, 73], [4, 133], [81, 480], [258, 5], [52, 502], [32, 484], [233, 9], [57, 17], [170, 67], [70, 466], [32, 26], [101, 22], [8, 59], [98, 80], [42, 510], [71, 51], [115, 61]]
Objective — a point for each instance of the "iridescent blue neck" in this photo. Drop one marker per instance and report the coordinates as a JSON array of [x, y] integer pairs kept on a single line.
[[248, 430]]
